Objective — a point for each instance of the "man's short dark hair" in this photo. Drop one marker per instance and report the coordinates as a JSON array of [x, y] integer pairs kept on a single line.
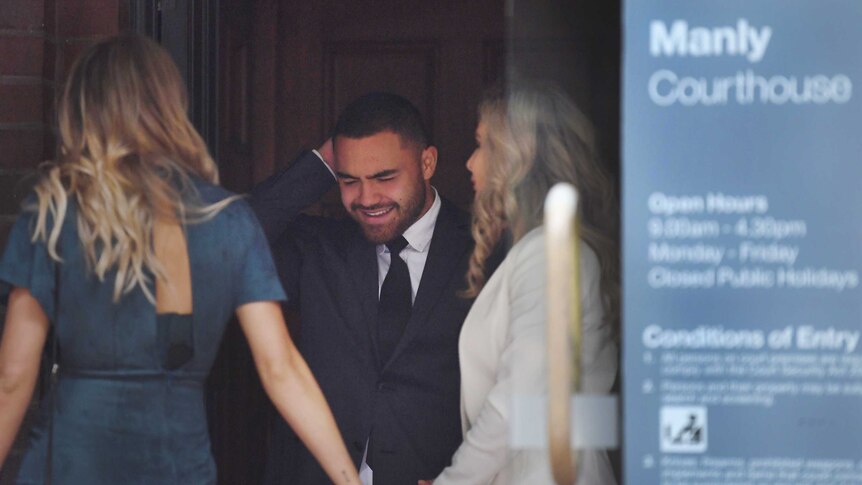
[[377, 112]]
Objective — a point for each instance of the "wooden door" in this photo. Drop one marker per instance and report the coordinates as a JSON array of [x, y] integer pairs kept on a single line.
[[288, 67]]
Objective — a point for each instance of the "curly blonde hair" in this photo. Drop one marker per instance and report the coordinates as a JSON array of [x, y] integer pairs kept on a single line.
[[127, 150], [536, 137]]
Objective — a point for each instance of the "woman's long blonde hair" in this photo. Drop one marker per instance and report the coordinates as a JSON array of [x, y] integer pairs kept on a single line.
[[537, 137], [127, 149]]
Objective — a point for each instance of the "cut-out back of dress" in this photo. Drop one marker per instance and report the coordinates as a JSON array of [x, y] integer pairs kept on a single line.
[[174, 292], [174, 303]]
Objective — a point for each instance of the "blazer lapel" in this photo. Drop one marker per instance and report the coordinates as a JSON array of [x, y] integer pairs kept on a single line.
[[450, 240], [362, 263]]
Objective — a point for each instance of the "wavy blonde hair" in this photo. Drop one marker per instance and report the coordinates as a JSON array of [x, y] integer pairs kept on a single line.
[[127, 150], [536, 137]]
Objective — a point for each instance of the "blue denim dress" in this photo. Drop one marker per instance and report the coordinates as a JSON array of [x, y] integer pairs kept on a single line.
[[128, 408]]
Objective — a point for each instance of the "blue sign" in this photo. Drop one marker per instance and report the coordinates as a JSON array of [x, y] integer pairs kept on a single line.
[[742, 162]]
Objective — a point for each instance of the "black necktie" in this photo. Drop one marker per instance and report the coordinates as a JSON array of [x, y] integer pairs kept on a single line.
[[396, 300]]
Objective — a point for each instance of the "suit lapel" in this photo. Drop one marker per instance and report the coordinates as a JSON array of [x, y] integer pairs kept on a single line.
[[450, 240], [362, 262]]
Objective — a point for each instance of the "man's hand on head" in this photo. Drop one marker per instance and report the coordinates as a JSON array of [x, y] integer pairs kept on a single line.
[[327, 154]]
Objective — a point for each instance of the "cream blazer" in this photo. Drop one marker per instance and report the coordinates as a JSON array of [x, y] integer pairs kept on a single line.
[[502, 350]]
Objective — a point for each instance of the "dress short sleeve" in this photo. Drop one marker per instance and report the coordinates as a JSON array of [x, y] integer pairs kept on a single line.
[[26, 264], [257, 276]]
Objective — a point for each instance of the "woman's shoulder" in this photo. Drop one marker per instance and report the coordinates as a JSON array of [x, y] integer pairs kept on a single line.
[[233, 213], [29, 214], [529, 251], [525, 261], [209, 192]]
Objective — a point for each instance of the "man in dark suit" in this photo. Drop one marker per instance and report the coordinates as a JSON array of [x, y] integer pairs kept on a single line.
[[380, 334]]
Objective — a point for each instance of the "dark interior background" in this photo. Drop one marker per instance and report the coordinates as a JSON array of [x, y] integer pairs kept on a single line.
[[267, 78]]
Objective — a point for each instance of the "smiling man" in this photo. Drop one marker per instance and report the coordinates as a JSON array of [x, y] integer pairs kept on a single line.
[[377, 293], [384, 174]]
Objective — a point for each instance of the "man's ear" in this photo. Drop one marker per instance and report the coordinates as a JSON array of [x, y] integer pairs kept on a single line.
[[429, 162]]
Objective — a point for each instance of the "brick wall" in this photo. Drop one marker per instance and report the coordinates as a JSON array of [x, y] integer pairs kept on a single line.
[[24, 93], [39, 40]]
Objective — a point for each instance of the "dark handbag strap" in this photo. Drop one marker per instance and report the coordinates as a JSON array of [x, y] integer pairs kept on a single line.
[[55, 367]]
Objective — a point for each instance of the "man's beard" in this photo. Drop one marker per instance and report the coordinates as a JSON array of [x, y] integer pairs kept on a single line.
[[409, 213]]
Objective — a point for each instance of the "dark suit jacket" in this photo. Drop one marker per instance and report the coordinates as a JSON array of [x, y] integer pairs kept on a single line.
[[329, 270]]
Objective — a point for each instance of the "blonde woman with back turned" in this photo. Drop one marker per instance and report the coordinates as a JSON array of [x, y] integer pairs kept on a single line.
[[147, 259], [528, 139]]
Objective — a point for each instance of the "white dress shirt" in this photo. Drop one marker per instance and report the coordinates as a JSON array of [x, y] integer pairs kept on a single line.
[[415, 254]]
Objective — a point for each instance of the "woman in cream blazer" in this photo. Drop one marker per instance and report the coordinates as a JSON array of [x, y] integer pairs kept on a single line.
[[528, 139]]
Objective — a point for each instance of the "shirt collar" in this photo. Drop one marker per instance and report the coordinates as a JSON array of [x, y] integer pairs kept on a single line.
[[419, 234]]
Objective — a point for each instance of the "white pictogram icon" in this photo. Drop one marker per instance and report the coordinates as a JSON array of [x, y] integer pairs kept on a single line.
[[683, 429]]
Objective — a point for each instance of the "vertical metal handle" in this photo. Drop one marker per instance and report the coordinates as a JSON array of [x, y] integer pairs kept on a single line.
[[564, 325]]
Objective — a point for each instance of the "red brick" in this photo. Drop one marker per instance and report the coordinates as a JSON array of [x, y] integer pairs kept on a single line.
[[21, 55], [83, 18], [21, 103], [69, 52], [21, 148], [22, 15]]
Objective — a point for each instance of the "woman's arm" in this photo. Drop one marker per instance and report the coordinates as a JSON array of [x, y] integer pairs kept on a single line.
[[293, 389], [20, 350]]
